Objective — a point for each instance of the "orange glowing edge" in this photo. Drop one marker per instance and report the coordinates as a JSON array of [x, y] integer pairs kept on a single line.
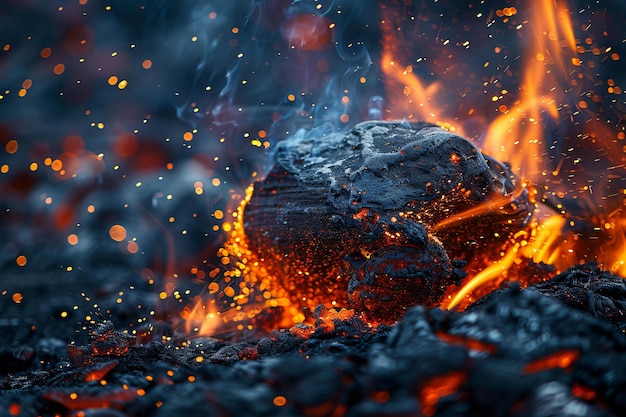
[[241, 290]]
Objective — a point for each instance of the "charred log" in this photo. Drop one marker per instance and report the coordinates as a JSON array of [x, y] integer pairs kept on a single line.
[[378, 214]]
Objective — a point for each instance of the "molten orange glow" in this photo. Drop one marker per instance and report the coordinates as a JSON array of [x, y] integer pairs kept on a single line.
[[74, 401], [583, 392], [328, 317], [100, 371], [471, 344], [439, 387], [562, 359]]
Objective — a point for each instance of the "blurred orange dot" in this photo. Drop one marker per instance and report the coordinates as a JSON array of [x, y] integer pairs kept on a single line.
[[213, 287], [132, 247], [117, 232], [21, 260], [72, 239], [308, 32], [344, 118], [59, 69], [46, 52], [22, 92], [279, 401], [146, 64], [187, 136], [56, 165], [15, 409], [112, 80], [11, 146], [17, 298], [28, 83]]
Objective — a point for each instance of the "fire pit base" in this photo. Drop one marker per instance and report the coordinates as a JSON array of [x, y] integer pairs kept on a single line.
[[517, 353]]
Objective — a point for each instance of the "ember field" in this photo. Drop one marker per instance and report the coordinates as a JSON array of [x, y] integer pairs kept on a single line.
[[130, 133]]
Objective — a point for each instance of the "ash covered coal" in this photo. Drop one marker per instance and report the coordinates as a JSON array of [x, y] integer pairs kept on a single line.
[[519, 353], [590, 289], [351, 217]]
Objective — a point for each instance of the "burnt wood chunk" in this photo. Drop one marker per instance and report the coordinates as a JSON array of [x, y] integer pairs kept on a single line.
[[376, 215]]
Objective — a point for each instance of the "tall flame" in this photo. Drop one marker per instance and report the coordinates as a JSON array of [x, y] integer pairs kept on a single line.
[[407, 95], [539, 96]]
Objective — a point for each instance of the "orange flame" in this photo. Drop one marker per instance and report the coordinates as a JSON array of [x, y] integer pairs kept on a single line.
[[524, 121], [518, 136], [418, 99]]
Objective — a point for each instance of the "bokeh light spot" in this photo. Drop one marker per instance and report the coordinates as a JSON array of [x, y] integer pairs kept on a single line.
[[279, 401], [117, 232], [72, 239], [11, 146], [132, 247], [59, 69]]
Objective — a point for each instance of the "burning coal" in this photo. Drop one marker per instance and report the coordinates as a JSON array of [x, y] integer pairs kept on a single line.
[[351, 218]]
